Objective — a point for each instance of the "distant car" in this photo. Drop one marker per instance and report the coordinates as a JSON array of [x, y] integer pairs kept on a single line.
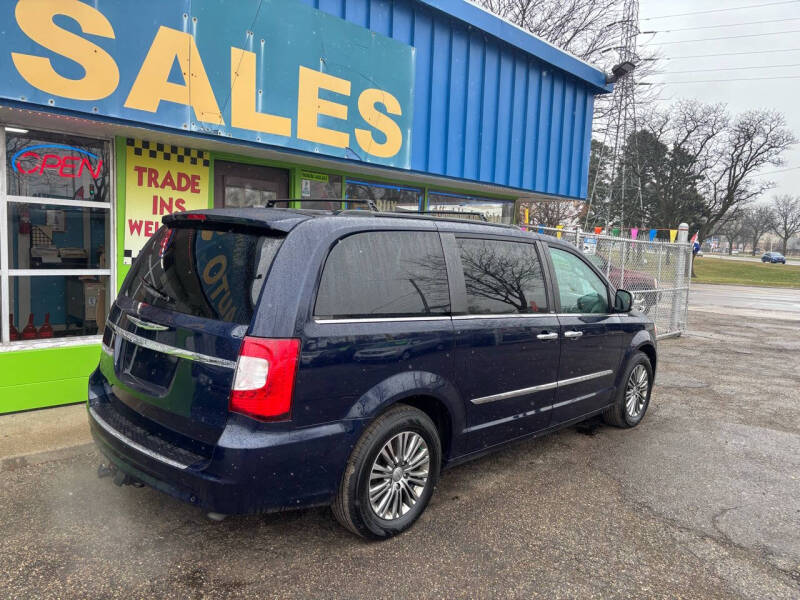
[[635, 281], [773, 257]]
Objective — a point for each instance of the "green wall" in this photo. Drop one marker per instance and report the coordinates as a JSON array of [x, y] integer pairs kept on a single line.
[[45, 377], [52, 376]]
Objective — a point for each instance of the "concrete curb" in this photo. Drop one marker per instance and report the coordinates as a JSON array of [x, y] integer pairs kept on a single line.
[[13, 463]]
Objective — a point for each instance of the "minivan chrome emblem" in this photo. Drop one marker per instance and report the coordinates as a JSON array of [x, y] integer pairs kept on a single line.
[[147, 324]]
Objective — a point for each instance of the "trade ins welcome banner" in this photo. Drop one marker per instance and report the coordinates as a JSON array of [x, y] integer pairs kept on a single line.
[[274, 72], [160, 179]]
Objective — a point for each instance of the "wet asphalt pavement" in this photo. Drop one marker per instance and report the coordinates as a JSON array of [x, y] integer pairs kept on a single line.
[[702, 500]]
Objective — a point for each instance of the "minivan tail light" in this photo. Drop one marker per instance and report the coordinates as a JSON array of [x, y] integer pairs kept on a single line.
[[264, 379]]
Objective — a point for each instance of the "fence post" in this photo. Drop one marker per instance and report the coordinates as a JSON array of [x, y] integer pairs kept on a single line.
[[683, 238]]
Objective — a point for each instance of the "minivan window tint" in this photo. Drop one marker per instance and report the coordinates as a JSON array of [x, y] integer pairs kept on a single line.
[[202, 272], [384, 274], [579, 288], [502, 277]]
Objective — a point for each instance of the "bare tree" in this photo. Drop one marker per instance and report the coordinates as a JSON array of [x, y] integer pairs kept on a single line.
[[582, 27], [552, 212], [787, 218], [733, 227], [758, 220], [730, 162]]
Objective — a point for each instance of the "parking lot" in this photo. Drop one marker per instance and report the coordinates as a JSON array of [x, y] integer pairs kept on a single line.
[[701, 501]]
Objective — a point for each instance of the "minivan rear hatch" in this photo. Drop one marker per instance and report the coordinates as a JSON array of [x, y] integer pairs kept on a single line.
[[173, 336]]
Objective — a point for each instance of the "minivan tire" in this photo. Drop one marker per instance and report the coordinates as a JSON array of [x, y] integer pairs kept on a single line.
[[617, 414], [352, 506]]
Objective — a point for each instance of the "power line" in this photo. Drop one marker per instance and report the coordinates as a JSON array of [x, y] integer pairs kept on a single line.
[[725, 80], [731, 69], [749, 23], [726, 37], [732, 53], [716, 10], [779, 171]]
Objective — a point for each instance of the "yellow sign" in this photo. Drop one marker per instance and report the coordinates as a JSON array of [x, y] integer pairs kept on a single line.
[[160, 179]]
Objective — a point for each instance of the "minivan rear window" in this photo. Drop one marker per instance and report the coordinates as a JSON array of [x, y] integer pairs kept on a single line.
[[384, 274], [202, 272]]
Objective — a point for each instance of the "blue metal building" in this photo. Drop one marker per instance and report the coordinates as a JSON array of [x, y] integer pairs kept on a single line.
[[114, 113]]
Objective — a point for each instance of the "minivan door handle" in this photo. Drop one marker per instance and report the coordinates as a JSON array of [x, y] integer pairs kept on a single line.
[[573, 334], [547, 336]]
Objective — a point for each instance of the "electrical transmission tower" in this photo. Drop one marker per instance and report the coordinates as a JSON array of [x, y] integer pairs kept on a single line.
[[620, 121]]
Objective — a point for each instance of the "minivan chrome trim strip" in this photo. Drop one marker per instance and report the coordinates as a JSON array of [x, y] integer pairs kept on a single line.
[[146, 324], [503, 316], [136, 446], [172, 350], [380, 319], [540, 388]]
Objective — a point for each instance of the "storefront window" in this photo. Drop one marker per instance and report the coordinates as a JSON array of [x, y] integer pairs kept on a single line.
[[56, 236], [495, 211], [57, 306], [47, 165], [386, 197], [51, 236]]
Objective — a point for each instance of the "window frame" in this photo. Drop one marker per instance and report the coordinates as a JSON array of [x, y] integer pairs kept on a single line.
[[355, 181], [470, 199], [455, 273], [595, 270], [6, 273]]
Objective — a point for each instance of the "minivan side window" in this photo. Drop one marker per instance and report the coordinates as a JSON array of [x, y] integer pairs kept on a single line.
[[384, 274], [579, 288], [502, 277]]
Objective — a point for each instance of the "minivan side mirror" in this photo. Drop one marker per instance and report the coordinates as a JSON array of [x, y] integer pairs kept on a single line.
[[623, 301]]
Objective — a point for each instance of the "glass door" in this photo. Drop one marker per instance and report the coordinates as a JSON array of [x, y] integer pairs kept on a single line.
[[244, 186]]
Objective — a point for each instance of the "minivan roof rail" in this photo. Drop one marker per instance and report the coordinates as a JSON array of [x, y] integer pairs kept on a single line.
[[457, 214], [370, 203], [422, 216], [374, 211]]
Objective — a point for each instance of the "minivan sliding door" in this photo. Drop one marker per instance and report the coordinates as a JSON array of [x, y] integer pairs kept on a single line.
[[507, 341]]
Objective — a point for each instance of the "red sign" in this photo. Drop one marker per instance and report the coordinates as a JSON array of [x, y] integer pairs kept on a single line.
[[29, 162]]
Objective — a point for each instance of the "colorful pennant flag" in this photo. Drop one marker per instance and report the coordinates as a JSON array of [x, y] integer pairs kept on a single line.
[[653, 233], [634, 232], [541, 229], [598, 230], [558, 233], [615, 231], [673, 233]]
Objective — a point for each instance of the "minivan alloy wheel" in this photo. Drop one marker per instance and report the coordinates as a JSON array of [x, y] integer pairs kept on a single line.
[[398, 475], [636, 391]]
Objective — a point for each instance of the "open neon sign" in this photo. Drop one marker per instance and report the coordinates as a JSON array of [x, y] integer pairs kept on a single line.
[[29, 162]]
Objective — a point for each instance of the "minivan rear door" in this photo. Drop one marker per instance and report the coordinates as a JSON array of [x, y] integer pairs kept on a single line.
[[178, 323]]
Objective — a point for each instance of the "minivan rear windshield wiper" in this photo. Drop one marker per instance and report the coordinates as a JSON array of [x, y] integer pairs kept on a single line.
[[148, 285]]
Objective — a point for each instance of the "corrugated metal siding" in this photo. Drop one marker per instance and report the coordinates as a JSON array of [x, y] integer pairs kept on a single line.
[[483, 109]]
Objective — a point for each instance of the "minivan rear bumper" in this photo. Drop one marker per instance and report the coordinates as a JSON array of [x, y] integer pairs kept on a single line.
[[252, 469]]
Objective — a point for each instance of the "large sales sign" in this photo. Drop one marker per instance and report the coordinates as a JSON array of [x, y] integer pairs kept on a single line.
[[275, 72], [160, 179]]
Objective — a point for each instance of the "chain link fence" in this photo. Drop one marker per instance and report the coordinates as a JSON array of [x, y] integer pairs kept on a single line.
[[657, 273]]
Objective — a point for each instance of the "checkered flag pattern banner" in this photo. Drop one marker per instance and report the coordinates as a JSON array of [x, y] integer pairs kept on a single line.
[[169, 152]]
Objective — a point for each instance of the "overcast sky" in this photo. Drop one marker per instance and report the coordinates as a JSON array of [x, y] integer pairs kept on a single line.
[[779, 94]]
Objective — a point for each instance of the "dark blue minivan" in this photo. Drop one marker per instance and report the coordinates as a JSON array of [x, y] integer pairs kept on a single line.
[[259, 359]]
